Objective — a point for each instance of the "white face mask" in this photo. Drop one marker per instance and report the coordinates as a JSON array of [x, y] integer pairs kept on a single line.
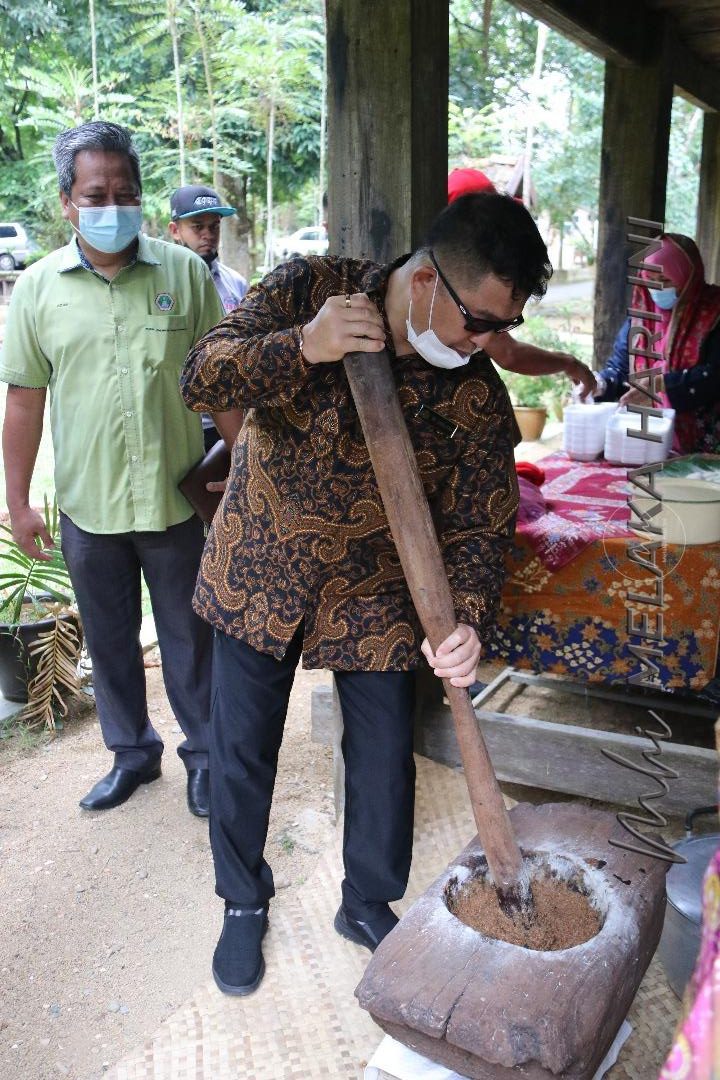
[[428, 344]]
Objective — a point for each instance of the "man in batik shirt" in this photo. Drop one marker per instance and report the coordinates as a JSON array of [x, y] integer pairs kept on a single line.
[[300, 561]]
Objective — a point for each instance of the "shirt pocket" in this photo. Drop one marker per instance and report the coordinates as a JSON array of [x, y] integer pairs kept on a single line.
[[164, 340]]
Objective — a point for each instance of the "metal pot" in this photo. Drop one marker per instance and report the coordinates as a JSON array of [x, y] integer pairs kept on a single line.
[[680, 941]]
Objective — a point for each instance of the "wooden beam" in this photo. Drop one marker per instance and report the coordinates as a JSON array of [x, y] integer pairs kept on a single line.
[[553, 757], [708, 217], [387, 123], [633, 178], [630, 34], [615, 30], [567, 758], [695, 78]]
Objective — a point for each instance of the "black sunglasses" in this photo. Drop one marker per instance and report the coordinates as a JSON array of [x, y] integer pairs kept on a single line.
[[473, 324]]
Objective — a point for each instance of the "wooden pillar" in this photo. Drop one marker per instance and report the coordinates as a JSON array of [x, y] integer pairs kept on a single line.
[[633, 177], [708, 218], [387, 123]]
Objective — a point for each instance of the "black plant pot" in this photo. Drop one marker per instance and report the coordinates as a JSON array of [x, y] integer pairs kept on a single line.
[[17, 666]]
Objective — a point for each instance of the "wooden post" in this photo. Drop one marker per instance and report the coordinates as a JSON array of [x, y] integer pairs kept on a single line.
[[387, 123], [708, 217], [633, 178]]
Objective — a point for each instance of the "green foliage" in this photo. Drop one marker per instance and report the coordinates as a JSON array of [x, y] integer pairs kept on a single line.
[[530, 391], [683, 167], [492, 55], [56, 651], [21, 576], [542, 391], [234, 58]]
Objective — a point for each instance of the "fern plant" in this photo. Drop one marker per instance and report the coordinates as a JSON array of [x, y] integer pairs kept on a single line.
[[56, 650], [21, 576]]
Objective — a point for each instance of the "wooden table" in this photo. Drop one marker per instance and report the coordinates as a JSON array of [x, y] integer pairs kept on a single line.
[[565, 602], [564, 613]]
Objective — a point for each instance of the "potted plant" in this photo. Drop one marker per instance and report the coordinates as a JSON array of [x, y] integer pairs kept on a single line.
[[40, 630], [529, 395], [534, 396]]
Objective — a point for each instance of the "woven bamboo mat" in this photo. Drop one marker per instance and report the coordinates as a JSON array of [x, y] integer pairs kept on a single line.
[[304, 1023]]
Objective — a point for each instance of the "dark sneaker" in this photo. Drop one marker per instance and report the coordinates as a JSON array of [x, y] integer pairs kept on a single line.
[[368, 933], [238, 965]]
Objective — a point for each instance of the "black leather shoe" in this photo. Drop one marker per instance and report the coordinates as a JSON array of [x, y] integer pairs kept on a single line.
[[368, 933], [198, 792], [238, 965], [117, 787]]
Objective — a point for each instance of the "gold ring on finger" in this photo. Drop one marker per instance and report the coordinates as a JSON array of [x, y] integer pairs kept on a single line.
[[347, 300]]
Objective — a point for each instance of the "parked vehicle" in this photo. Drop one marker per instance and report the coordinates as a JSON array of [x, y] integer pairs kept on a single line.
[[312, 240], [15, 245]]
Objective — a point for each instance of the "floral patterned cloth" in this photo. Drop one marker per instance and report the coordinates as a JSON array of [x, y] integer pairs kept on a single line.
[[571, 618], [696, 1052]]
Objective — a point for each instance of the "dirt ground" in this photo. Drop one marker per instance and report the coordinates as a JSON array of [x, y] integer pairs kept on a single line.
[[109, 920]]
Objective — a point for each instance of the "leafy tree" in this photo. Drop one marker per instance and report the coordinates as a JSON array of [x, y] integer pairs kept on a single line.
[[492, 52], [683, 167]]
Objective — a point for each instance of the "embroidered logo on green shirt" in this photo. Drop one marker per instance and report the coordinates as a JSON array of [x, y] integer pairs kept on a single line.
[[164, 301]]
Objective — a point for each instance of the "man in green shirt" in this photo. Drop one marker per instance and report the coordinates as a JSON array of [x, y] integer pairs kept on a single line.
[[106, 323]]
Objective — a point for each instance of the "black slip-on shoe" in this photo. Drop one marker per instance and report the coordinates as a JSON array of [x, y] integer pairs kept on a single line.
[[198, 792], [367, 933], [117, 787], [238, 965]]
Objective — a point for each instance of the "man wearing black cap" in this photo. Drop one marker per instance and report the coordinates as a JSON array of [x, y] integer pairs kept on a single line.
[[195, 213]]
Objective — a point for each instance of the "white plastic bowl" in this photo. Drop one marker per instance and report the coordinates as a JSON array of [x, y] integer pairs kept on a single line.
[[690, 512]]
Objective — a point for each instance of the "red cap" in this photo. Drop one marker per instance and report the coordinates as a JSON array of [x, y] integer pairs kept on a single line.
[[468, 182]]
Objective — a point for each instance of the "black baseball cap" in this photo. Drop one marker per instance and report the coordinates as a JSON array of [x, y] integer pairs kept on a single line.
[[193, 199]]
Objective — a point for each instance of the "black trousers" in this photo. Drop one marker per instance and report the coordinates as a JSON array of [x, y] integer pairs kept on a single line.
[[105, 569], [249, 705]]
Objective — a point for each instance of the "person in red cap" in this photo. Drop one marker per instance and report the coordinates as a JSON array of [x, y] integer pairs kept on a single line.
[[505, 350], [468, 182]]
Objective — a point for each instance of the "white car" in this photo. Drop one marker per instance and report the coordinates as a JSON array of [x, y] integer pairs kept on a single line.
[[312, 240], [15, 245]]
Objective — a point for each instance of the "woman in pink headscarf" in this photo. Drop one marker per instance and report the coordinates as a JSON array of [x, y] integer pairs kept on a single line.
[[685, 310]]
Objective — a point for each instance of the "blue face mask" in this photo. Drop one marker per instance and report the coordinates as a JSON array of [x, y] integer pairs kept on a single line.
[[109, 228], [664, 298]]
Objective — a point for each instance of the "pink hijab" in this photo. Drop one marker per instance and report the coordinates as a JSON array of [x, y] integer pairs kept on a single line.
[[684, 329]]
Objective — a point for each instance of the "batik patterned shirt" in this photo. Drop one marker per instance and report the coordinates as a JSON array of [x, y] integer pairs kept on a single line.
[[301, 533]]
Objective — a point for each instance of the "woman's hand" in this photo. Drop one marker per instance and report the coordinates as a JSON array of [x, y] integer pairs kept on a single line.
[[634, 396], [457, 656]]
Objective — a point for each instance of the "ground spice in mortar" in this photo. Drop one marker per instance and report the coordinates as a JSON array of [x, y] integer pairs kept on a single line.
[[563, 916]]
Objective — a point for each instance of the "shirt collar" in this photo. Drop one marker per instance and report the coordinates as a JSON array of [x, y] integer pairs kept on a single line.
[[73, 257], [375, 279]]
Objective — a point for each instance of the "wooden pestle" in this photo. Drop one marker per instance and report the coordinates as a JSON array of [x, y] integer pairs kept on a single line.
[[393, 461]]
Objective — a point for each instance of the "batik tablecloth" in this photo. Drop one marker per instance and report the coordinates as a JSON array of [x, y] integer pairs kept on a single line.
[[565, 604]]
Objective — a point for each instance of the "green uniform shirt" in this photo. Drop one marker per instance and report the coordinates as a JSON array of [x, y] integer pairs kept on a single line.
[[111, 353]]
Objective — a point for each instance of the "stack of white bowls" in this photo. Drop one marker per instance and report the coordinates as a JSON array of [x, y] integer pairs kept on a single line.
[[621, 448], [584, 428]]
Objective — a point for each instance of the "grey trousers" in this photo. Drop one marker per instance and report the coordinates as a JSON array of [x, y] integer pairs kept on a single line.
[[105, 570]]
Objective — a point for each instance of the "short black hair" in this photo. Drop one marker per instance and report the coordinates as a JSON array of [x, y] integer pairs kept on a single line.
[[488, 233]]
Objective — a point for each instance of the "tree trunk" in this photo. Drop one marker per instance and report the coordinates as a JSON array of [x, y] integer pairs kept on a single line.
[[236, 232], [532, 110], [93, 54], [269, 237], [172, 25], [210, 93]]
